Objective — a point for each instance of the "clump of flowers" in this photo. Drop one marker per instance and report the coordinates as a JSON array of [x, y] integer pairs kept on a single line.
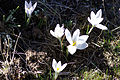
[[76, 41]]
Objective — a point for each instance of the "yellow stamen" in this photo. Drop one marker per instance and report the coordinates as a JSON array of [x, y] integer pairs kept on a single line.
[[57, 69], [74, 43]]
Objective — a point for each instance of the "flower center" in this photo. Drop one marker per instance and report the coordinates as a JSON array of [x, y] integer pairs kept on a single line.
[[74, 43], [58, 69]]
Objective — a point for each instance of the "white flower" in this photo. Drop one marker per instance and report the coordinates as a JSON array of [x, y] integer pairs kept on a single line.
[[96, 19], [29, 8], [76, 41], [58, 32], [58, 67]]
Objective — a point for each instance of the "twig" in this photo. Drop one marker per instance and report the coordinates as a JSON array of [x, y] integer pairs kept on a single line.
[[15, 48], [115, 29]]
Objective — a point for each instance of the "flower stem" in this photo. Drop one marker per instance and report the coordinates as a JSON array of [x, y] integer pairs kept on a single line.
[[56, 75], [61, 44], [28, 21], [90, 29]]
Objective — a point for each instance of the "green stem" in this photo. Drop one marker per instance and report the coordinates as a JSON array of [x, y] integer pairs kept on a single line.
[[60, 44], [90, 29], [28, 21], [87, 29]]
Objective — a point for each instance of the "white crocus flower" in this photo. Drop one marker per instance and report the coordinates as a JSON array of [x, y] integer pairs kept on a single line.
[[96, 19], [58, 67], [29, 8], [76, 41], [58, 32]]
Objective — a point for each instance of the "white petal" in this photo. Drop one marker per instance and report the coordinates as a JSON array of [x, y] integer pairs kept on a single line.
[[98, 20], [99, 14], [62, 28], [89, 20], [31, 10], [54, 63], [30, 4], [63, 66], [34, 6], [68, 36], [92, 15], [60, 32], [92, 20], [76, 35], [83, 39], [82, 46], [28, 13], [100, 26], [71, 49], [57, 28], [26, 3], [52, 33], [26, 6], [58, 66]]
